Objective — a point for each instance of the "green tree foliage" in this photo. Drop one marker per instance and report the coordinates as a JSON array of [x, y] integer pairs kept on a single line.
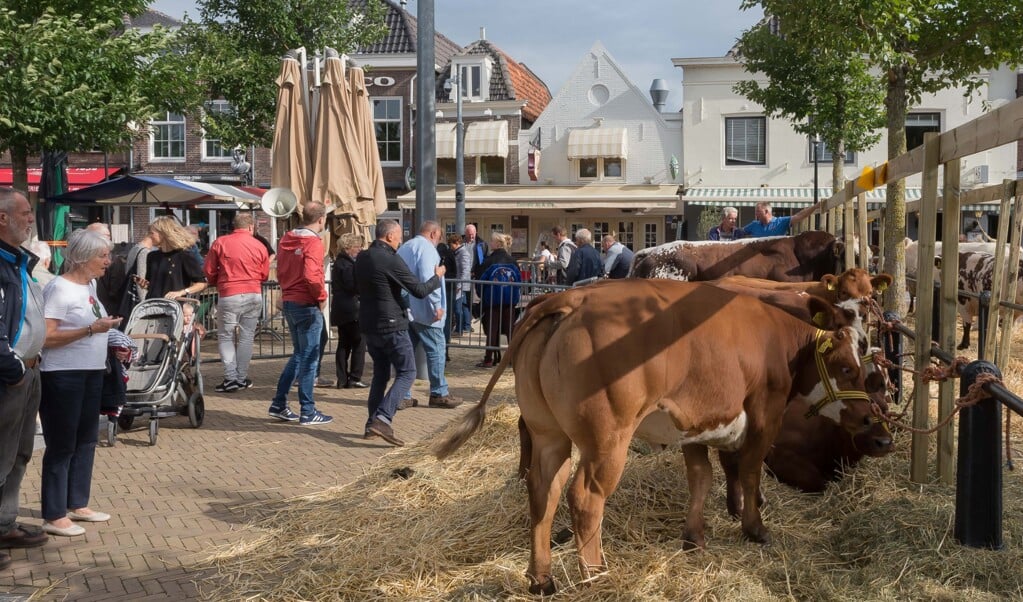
[[71, 77], [823, 91], [915, 47], [236, 46]]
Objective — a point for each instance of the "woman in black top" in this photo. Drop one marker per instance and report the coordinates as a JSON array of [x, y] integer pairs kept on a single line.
[[350, 357], [172, 271]]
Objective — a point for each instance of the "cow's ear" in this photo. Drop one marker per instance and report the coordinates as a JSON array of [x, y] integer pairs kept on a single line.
[[830, 281], [881, 282], [820, 308], [821, 320]]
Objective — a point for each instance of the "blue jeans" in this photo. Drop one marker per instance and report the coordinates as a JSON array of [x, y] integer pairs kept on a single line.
[[461, 313], [305, 323], [69, 411], [432, 340], [18, 407], [387, 350]]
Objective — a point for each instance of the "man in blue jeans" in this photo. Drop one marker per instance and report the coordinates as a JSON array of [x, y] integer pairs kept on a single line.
[[300, 272], [383, 318], [428, 314]]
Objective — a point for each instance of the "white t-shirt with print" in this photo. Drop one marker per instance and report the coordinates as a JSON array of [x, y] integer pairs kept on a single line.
[[75, 306]]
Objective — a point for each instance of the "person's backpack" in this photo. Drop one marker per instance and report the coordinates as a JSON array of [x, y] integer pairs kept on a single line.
[[496, 294]]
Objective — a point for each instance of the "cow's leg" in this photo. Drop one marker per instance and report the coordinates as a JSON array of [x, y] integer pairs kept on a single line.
[[965, 343], [551, 455], [733, 488], [751, 462], [525, 448], [698, 473], [595, 480]]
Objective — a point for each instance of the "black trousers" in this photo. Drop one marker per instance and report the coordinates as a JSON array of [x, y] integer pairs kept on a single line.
[[350, 356]]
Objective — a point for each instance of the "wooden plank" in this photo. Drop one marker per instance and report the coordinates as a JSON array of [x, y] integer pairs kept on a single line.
[[987, 352], [1013, 274], [987, 194], [861, 229], [924, 307], [847, 227], [949, 291]]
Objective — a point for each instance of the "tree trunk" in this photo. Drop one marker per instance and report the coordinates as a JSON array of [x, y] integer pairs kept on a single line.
[[895, 207], [19, 165], [838, 179]]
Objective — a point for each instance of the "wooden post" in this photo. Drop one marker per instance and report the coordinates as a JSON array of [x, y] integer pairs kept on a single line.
[[998, 278], [847, 225], [946, 338], [1013, 277], [924, 304], [861, 229], [882, 223]]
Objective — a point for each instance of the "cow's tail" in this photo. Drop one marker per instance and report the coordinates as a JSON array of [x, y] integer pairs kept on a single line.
[[471, 422]]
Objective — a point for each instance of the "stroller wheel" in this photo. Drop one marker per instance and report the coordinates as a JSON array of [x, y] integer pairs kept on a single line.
[[125, 422], [154, 427], [196, 410], [112, 432]]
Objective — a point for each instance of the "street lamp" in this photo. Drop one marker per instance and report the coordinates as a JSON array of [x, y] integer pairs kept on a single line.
[[455, 83]]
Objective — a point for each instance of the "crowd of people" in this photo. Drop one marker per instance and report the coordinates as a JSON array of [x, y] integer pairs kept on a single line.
[[59, 337], [763, 224]]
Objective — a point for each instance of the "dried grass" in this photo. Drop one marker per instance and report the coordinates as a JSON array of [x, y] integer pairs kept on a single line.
[[458, 530]]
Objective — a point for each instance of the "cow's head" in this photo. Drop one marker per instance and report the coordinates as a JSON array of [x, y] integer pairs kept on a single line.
[[855, 283], [841, 392]]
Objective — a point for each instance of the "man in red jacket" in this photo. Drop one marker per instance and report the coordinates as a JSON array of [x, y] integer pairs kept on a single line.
[[300, 272], [237, 265]]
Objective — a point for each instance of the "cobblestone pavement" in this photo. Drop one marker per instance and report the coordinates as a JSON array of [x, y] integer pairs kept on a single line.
[[173, 502]]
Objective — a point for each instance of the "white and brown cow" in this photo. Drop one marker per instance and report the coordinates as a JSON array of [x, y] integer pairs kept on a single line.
[[800, 258], [912, 261], [676, 363], [976, 273]]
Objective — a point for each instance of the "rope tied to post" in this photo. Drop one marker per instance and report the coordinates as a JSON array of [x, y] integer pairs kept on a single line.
[[974, 395]]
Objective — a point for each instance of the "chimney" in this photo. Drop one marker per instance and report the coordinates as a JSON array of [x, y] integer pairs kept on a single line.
[[483, 33], [659, 94], [403, 3]]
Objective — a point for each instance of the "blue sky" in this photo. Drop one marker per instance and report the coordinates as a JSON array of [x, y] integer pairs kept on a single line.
[[551, 36]]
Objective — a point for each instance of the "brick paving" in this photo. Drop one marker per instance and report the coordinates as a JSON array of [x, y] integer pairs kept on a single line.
[[194, 490]]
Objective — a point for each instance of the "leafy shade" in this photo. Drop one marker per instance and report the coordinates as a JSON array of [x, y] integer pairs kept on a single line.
[[236, 47], [72, 79]]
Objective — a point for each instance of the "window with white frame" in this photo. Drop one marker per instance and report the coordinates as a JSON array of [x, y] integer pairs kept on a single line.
[[167, 140], [601, 168], [491, 170], [649, 235], [627, 234], [212, 149], [599, 230], [387, 125], [745, 141], [474, 79], [827, 156]]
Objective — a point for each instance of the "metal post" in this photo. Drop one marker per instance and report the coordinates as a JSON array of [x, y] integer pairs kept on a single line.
[[983, 315], [426, 118], [978, 516], [892, 345], [459, 159]]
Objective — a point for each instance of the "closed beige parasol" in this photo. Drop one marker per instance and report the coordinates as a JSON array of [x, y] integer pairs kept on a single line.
[[290, 154]]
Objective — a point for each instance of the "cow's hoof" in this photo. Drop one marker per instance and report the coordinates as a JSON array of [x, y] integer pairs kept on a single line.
[[962, 346], [543, 587], [691, 541], [761, 537]]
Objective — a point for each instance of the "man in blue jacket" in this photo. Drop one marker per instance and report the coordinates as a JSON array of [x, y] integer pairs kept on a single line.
[[383, 318], [585, 262], [22, 331]]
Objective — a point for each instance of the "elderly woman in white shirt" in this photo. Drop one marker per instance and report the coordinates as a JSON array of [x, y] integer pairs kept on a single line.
[[73, 364]]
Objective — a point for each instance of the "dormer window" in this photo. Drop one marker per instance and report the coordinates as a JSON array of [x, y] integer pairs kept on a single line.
[[474, 79]]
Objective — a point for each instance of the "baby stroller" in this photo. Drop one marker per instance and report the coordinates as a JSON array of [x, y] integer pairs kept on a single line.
[[165, 380]]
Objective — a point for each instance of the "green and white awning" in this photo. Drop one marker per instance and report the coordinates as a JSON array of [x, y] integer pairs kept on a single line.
[[794, 198]]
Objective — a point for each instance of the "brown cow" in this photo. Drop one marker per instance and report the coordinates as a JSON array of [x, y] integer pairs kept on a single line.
[[675, 363], [805, 256], [854, 283]]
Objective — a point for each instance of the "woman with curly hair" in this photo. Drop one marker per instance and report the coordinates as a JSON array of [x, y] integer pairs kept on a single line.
[[172, 271]]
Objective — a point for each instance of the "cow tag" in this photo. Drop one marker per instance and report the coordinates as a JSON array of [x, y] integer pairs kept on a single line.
[[831, 286], [882, 287], [818, 318], [825, 345]]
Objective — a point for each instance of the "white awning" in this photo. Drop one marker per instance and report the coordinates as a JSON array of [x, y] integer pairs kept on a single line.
[[597, 142], [446, 140], [487, 139], [643, 199], [778, 197]]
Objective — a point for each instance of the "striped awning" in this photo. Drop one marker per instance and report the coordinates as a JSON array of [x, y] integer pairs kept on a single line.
[[487, 139], [446, 140], [793, 198], [597, 142]]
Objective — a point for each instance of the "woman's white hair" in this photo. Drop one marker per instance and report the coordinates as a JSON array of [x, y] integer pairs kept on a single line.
[[83, 246]]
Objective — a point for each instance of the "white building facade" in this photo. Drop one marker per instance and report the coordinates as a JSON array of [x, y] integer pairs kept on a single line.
[[734, 155]]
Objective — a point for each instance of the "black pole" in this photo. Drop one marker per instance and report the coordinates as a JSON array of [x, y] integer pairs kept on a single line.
[[978, 516], [892, 345], [983, 316]]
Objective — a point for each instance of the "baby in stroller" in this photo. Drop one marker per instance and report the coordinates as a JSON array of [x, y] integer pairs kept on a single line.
[[121, 351]]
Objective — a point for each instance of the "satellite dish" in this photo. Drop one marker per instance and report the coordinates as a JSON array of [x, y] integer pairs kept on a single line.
[[279, 202]]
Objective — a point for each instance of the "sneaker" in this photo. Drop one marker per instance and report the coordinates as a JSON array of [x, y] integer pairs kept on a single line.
[[444, 401], [286, 414], [384, 430], [228, 386], [408, 402], [317, 418], [244, 384], [323, 381]]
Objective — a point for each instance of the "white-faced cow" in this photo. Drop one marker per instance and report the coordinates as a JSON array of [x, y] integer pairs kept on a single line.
[[800, 258], [676, 363]]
